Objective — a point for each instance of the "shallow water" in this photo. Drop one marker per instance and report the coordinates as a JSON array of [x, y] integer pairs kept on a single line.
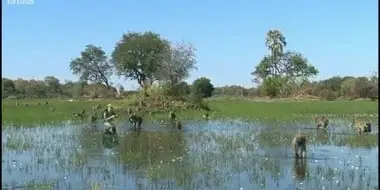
[[224, 154]]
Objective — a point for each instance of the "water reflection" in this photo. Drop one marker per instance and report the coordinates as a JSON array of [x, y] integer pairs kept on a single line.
[[110, 140], [207, 155], [300, 168]]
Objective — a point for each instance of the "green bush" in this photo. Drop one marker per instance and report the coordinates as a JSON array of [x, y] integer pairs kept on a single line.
[[202, 87]]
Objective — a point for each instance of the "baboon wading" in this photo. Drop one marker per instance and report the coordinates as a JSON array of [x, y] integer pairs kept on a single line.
[[299, 145]]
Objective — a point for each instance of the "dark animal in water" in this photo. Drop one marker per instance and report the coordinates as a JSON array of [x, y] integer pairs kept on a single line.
[[363, 127], [172, 116], [46, 103], [178, 124], [174, 120], [299, 145], [93, 118], [321, 121], [136, 120], [80, 114]]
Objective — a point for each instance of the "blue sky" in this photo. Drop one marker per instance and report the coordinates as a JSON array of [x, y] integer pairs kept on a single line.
[[338, 37]]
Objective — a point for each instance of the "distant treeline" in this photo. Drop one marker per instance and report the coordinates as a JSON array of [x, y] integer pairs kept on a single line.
[[147, 58], [329, 89]]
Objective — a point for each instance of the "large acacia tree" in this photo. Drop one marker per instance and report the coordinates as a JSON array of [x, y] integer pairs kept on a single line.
[[138, 56], [280, 66], [92, 65]]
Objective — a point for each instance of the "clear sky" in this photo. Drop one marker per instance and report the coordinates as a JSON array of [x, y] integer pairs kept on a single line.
[[339, 37]]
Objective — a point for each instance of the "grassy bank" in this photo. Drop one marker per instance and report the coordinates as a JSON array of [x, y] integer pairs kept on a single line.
[[59, 110]]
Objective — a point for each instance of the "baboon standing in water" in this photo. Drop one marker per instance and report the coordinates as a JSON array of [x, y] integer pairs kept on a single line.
[[172, 116], [299, 145], [93, 118], [321, 121], [136, 121], [80, 114], [178, 125], [363, 127], [173, 119]]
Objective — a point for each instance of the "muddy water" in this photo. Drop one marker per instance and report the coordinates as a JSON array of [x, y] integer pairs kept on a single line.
[[206, 155]]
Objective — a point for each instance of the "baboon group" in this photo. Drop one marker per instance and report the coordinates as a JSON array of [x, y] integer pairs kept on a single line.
[[51, 108], [134, 118], [299, 141]]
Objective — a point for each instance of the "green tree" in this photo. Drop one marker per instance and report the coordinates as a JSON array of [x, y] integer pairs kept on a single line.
[[362, 87], [272, 86], [202, 87], [93, 66], [348, 88], [178, 61], [138, 56], [8, 87], [36, 89], [53, 84], [288, 65], [374, 88], [178, 90], [21, 86]]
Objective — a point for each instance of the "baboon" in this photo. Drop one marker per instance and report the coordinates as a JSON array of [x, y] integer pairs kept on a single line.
[[206, 115], [321, 121], [178, 124], [136, 120], [207, 108], [80, 114], [93, 118], [363, 127], [46, 103], [172, 116], [26, 105], [129, 111], [96, 107], [17, 104], [299, 144]]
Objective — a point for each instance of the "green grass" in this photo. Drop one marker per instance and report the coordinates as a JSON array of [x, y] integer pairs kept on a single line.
[[34, 113]]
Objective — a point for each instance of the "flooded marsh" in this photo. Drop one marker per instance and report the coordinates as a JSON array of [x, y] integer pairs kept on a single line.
[[217, 154]]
